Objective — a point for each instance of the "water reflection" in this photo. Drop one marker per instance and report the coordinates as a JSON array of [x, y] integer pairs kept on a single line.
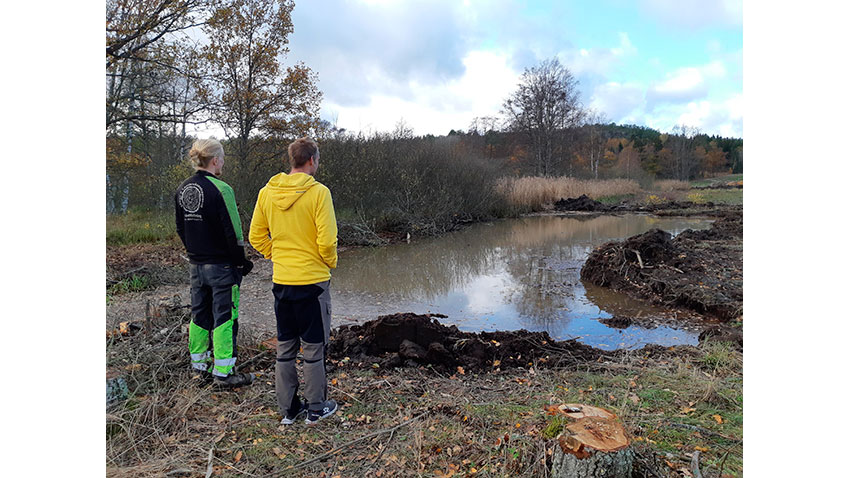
[[505, 275]]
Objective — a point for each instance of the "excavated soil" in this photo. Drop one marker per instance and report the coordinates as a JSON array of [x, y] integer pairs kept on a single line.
[[411, 340], [698, 270], [581, 203]]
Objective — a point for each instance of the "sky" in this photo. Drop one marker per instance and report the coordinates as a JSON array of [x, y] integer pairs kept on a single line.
[[438, 64]]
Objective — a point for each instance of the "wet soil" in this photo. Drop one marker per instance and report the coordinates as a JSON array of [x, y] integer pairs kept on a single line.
[[584, 204], [411, 340], [581, 203], [697, 270]]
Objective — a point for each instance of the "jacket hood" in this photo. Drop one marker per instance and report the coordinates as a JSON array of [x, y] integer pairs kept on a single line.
[[285, 189]]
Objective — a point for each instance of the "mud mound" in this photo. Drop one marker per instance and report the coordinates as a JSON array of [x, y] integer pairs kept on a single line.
[[618, 322], [581, 203], [733, 335], [408, 339], [727, 227], [698, 270]]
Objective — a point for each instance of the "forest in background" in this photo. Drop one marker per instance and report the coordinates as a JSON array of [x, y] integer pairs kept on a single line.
[[172, 65]]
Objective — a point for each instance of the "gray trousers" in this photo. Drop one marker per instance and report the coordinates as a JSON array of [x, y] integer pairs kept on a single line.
[[303, 316]]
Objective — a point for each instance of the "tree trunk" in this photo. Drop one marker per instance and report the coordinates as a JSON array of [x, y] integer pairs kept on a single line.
[[593, 445]]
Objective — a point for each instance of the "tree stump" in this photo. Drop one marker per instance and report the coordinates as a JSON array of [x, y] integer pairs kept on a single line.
[[594, 444]]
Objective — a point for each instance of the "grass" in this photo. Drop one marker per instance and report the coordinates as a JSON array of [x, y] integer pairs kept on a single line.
[[717, 180], [723, 196], [135, 283], [139, 226], [670, 185], [481, 424], [534, 192]]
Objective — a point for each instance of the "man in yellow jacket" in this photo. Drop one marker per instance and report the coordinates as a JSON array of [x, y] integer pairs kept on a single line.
[[294, 225]]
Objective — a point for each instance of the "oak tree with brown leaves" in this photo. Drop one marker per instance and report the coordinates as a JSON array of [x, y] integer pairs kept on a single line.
[[254, 97]]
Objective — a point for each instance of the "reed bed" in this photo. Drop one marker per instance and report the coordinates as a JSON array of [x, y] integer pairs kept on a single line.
[[671, 185], [535, 192]]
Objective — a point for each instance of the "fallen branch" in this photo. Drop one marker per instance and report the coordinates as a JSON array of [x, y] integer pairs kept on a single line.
[[209, 464], [640, 261], [723, 463], [346, 393], [253, 359], [348, 444], [695, 465]]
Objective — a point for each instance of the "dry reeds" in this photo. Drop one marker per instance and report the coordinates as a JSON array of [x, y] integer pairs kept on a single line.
[[534, 192], [671, 185]]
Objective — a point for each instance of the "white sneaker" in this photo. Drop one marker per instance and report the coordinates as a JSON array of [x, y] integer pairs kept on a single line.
[[290, 419]]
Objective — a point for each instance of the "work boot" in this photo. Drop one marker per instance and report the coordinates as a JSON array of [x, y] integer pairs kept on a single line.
[[234, 380], [328, 409]]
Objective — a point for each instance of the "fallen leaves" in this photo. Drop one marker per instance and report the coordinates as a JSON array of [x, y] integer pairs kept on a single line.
[[237, 457]]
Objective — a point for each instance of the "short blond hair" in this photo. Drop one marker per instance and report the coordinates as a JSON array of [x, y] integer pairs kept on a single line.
[[203, 151], [301, 150]]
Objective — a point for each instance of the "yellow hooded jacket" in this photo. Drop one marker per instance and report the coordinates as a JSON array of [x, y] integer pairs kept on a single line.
[[294, 225]]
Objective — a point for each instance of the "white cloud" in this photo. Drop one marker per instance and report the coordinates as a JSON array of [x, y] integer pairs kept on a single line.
[[436, 108], [685, 84], [598, 61], [696, 13], [723, 117], [617, 100]]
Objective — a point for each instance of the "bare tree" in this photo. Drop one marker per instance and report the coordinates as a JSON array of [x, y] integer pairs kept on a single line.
[[545, 103], [148, 61], [684, 157]]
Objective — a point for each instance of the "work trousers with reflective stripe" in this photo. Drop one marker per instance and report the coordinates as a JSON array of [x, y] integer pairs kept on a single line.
[[215, 310], [303, 314]]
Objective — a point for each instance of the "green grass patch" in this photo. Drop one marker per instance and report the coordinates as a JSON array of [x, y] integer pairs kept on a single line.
[[718, 180], [722, 196], [134, 283], [719, 355], [137, 227]]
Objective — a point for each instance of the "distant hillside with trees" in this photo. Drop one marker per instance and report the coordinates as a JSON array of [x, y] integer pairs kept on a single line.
[[160, 80]]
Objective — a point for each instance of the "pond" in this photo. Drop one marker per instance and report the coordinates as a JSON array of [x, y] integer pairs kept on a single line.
[[508, 275]]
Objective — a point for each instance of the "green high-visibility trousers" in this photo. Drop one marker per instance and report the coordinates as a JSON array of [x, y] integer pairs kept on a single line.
[[215, 310]]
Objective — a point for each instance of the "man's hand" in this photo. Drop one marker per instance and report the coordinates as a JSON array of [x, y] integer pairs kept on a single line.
[[246, 267]]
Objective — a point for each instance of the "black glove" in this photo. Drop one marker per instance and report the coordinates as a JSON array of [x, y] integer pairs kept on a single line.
[[246, 267]]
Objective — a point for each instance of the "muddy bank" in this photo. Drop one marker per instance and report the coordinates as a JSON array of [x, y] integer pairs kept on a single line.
[[581, 203], [697, 270], [411, 340], [663, 208]]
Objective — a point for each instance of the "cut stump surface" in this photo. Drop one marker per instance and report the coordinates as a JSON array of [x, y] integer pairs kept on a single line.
[[593, 445]]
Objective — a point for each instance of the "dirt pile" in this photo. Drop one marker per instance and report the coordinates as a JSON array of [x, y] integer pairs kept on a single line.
[[407, 339], [581, 203], [698, 270]]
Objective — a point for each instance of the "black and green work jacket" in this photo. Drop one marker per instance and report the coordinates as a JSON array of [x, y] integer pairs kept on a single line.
[[208, 221]]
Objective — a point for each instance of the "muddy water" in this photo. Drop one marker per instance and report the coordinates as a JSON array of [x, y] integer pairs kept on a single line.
[[508, 275]]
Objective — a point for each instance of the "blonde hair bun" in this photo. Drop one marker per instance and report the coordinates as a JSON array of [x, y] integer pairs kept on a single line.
[[203, 151]]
